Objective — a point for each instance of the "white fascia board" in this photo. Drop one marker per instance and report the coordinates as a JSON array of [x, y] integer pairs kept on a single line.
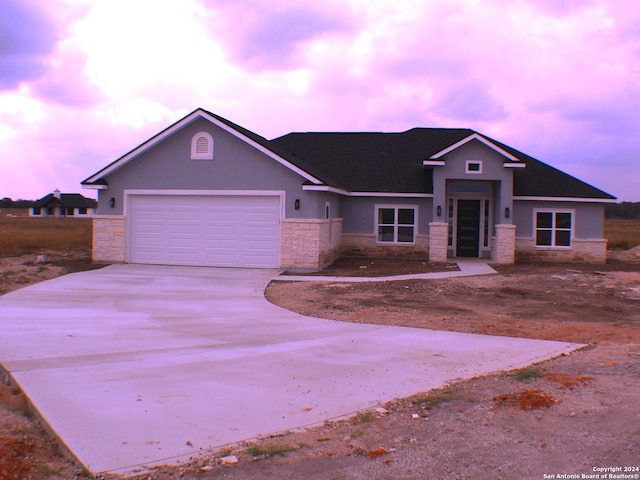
[[391, 194], [563, 199], [262, 149], [324, 188], [480, 138], [346, 193], [433, 163], [95, 187], [514, 165], [180, 124]]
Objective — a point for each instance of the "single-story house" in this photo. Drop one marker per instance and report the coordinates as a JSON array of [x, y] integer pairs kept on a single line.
[[58, 204], [206, 191]]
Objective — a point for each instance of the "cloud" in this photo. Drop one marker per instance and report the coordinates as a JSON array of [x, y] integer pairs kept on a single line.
[[469, 103], [268, 36], [27, 36]]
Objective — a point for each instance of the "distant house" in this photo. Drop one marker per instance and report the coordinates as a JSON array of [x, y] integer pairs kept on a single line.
[[58, 204], [206, 191]]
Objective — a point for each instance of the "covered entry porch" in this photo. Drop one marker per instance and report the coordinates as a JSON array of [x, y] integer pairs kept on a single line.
[[475, 223]]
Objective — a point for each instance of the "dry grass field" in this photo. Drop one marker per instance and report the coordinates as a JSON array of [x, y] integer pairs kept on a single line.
[[20, 234], [23, 235], [623, 234]]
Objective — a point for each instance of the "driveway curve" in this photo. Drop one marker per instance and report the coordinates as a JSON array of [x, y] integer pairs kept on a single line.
[[135, 365]]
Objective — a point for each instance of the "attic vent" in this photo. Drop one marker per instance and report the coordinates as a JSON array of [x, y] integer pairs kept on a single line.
[[202, 146]]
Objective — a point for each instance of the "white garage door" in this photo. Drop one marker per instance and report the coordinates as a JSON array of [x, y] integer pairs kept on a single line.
[[221, 231]]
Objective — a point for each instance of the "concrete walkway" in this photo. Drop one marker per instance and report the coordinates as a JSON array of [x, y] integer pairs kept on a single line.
[[467, 268], [135, 365]]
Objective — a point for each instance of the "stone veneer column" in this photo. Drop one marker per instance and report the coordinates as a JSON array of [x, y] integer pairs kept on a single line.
[[108, 239], [309, 243], [504, 244], [438, 240]]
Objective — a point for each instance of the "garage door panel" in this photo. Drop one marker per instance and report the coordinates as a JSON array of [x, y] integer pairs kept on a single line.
[[204, 230]]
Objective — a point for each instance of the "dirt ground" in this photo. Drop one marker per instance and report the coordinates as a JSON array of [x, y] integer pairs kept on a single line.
[[569, 416]]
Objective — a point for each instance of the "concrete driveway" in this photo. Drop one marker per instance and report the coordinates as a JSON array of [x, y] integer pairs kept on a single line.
[[139, 365]]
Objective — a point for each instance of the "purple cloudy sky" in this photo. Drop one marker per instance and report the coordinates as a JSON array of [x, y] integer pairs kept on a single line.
[[84, 81]]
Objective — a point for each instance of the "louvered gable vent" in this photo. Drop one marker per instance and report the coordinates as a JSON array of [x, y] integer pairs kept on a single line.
[[202, 146]]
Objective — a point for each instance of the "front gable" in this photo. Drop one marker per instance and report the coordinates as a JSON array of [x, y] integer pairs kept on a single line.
[[474, 160], [207, 121]]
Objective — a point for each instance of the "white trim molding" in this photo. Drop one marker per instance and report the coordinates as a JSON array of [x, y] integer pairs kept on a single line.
[[514, 165], [563, 199], [469, 171], [199, 140], [480, 138], [346, 193], [209, 193], [433, 163]]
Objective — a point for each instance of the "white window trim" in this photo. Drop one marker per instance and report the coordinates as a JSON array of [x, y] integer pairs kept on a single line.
[[208, 155], [473, 162], [396, 225], [554, 211]]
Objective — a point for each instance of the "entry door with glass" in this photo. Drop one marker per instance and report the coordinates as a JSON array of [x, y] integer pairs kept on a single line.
[[468, 228]]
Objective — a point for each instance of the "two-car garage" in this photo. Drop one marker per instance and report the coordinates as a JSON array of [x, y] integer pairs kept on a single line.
[[206, 230]]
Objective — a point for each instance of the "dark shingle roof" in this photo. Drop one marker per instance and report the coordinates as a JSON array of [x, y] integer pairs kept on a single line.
[[369, 162], [392, 162], [541, 180], [68, 200], [384, 162]]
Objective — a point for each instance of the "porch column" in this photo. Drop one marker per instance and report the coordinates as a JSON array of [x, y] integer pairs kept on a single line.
[[504, 244], [438, 236]]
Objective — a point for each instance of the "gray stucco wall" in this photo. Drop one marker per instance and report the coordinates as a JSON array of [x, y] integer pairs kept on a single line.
[[359, 212], [235, 166], [589, 217]]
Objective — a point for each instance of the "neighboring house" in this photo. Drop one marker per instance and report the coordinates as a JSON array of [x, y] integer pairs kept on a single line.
[[58, 204], [206, 191]]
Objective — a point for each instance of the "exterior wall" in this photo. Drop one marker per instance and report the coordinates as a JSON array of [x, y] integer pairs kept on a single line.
[[359, 231], [589, 217], [108, 239], [504, 244], [309, 243], [359, 213], [236, 165], [366, 245], [587, 244], [493, 172], [582, 250]]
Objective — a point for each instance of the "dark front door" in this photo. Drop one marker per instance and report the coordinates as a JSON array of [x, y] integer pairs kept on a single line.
[[468, 237]]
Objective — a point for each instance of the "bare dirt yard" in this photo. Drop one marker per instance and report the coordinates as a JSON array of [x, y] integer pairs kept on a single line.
[[574, 415]]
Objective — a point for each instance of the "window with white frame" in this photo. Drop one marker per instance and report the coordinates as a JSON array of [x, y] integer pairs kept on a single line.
[[202, 146], [396, 224], [473, 167], [554, 228]]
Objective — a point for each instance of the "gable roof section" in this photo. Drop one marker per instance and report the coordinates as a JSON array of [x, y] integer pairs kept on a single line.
[[542, 180], [480, 138], [97, 180], [370, 161]]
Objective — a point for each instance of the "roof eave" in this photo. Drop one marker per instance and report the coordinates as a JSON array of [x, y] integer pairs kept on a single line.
[[532, 198]]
